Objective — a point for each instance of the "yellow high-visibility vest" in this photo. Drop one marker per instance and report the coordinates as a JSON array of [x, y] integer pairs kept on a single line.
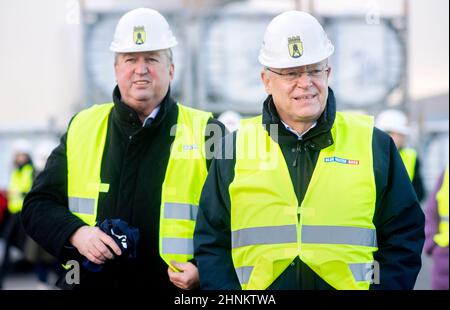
[[409, 157], [20, 184], [332, 231], [185, 175], [441, 238]]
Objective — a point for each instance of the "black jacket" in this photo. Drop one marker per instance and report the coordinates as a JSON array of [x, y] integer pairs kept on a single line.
[[134, 164], [398, 217]]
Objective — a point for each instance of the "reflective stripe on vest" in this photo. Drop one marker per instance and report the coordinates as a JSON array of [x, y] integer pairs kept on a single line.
[[172, 246], [310, 234], [243, 273], [82, 205], [409, 157], [335, 236], [441, 238], [339, 235], [182, 211], [185, 175], [365, 272], [20, 184]]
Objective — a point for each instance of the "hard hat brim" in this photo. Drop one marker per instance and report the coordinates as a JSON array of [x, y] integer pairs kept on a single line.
[[294, 62], [136, 49]]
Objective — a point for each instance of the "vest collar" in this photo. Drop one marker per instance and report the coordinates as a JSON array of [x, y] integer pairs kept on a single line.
[[318, 137], [127, 116]]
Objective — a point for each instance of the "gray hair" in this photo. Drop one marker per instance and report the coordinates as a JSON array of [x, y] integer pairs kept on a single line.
[[169, 56]]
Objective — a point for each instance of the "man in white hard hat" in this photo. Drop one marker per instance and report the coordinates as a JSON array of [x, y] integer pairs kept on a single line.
[[395, 123], [314, 199], [138, 162]]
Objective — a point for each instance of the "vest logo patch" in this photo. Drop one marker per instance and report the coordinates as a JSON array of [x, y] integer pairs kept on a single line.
[[339, 160], [190, 147]]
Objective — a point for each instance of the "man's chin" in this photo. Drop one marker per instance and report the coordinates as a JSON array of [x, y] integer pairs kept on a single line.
[[142, 97], [307, 116]]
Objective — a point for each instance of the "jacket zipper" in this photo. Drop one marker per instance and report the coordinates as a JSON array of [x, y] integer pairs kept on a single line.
[[296, 163], [297, 154]]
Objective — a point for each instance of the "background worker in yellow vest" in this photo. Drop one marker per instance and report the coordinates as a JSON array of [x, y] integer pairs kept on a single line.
[[19, 185], [395, 123], [437, 234], [141, 159], [314, 199]]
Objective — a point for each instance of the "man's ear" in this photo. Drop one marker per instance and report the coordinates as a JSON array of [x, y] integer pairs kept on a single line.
[[115, 71], [171, 71], [267, 82]]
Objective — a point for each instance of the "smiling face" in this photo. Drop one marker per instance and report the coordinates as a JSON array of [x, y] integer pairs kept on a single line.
[[299, 94], [143, 79]]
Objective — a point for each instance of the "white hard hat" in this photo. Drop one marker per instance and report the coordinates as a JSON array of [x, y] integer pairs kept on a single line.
[[21, 146], [393, 121], [42, 153], [230, 119], [294, 39], [142, 30]]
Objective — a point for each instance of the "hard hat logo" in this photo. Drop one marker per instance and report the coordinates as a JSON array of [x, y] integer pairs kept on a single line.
[[295, 47], [139, 35]]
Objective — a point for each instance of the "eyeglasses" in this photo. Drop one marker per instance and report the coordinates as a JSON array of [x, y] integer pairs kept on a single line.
[[291, 76]]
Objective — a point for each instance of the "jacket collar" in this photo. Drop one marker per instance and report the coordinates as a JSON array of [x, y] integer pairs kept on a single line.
[[127, 116], [318, 137]]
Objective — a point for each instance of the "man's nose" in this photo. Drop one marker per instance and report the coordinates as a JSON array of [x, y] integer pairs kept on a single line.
[[141, 67], [304, 80]]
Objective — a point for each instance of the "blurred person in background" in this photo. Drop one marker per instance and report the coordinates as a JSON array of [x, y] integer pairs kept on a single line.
[[19, 185], [3, 209], [304, 197], [43, 262], [395, 123], [137, 164], [437, 233], [230, 119]]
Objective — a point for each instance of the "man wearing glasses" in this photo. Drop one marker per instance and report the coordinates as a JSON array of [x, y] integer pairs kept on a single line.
[[314, 198]]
